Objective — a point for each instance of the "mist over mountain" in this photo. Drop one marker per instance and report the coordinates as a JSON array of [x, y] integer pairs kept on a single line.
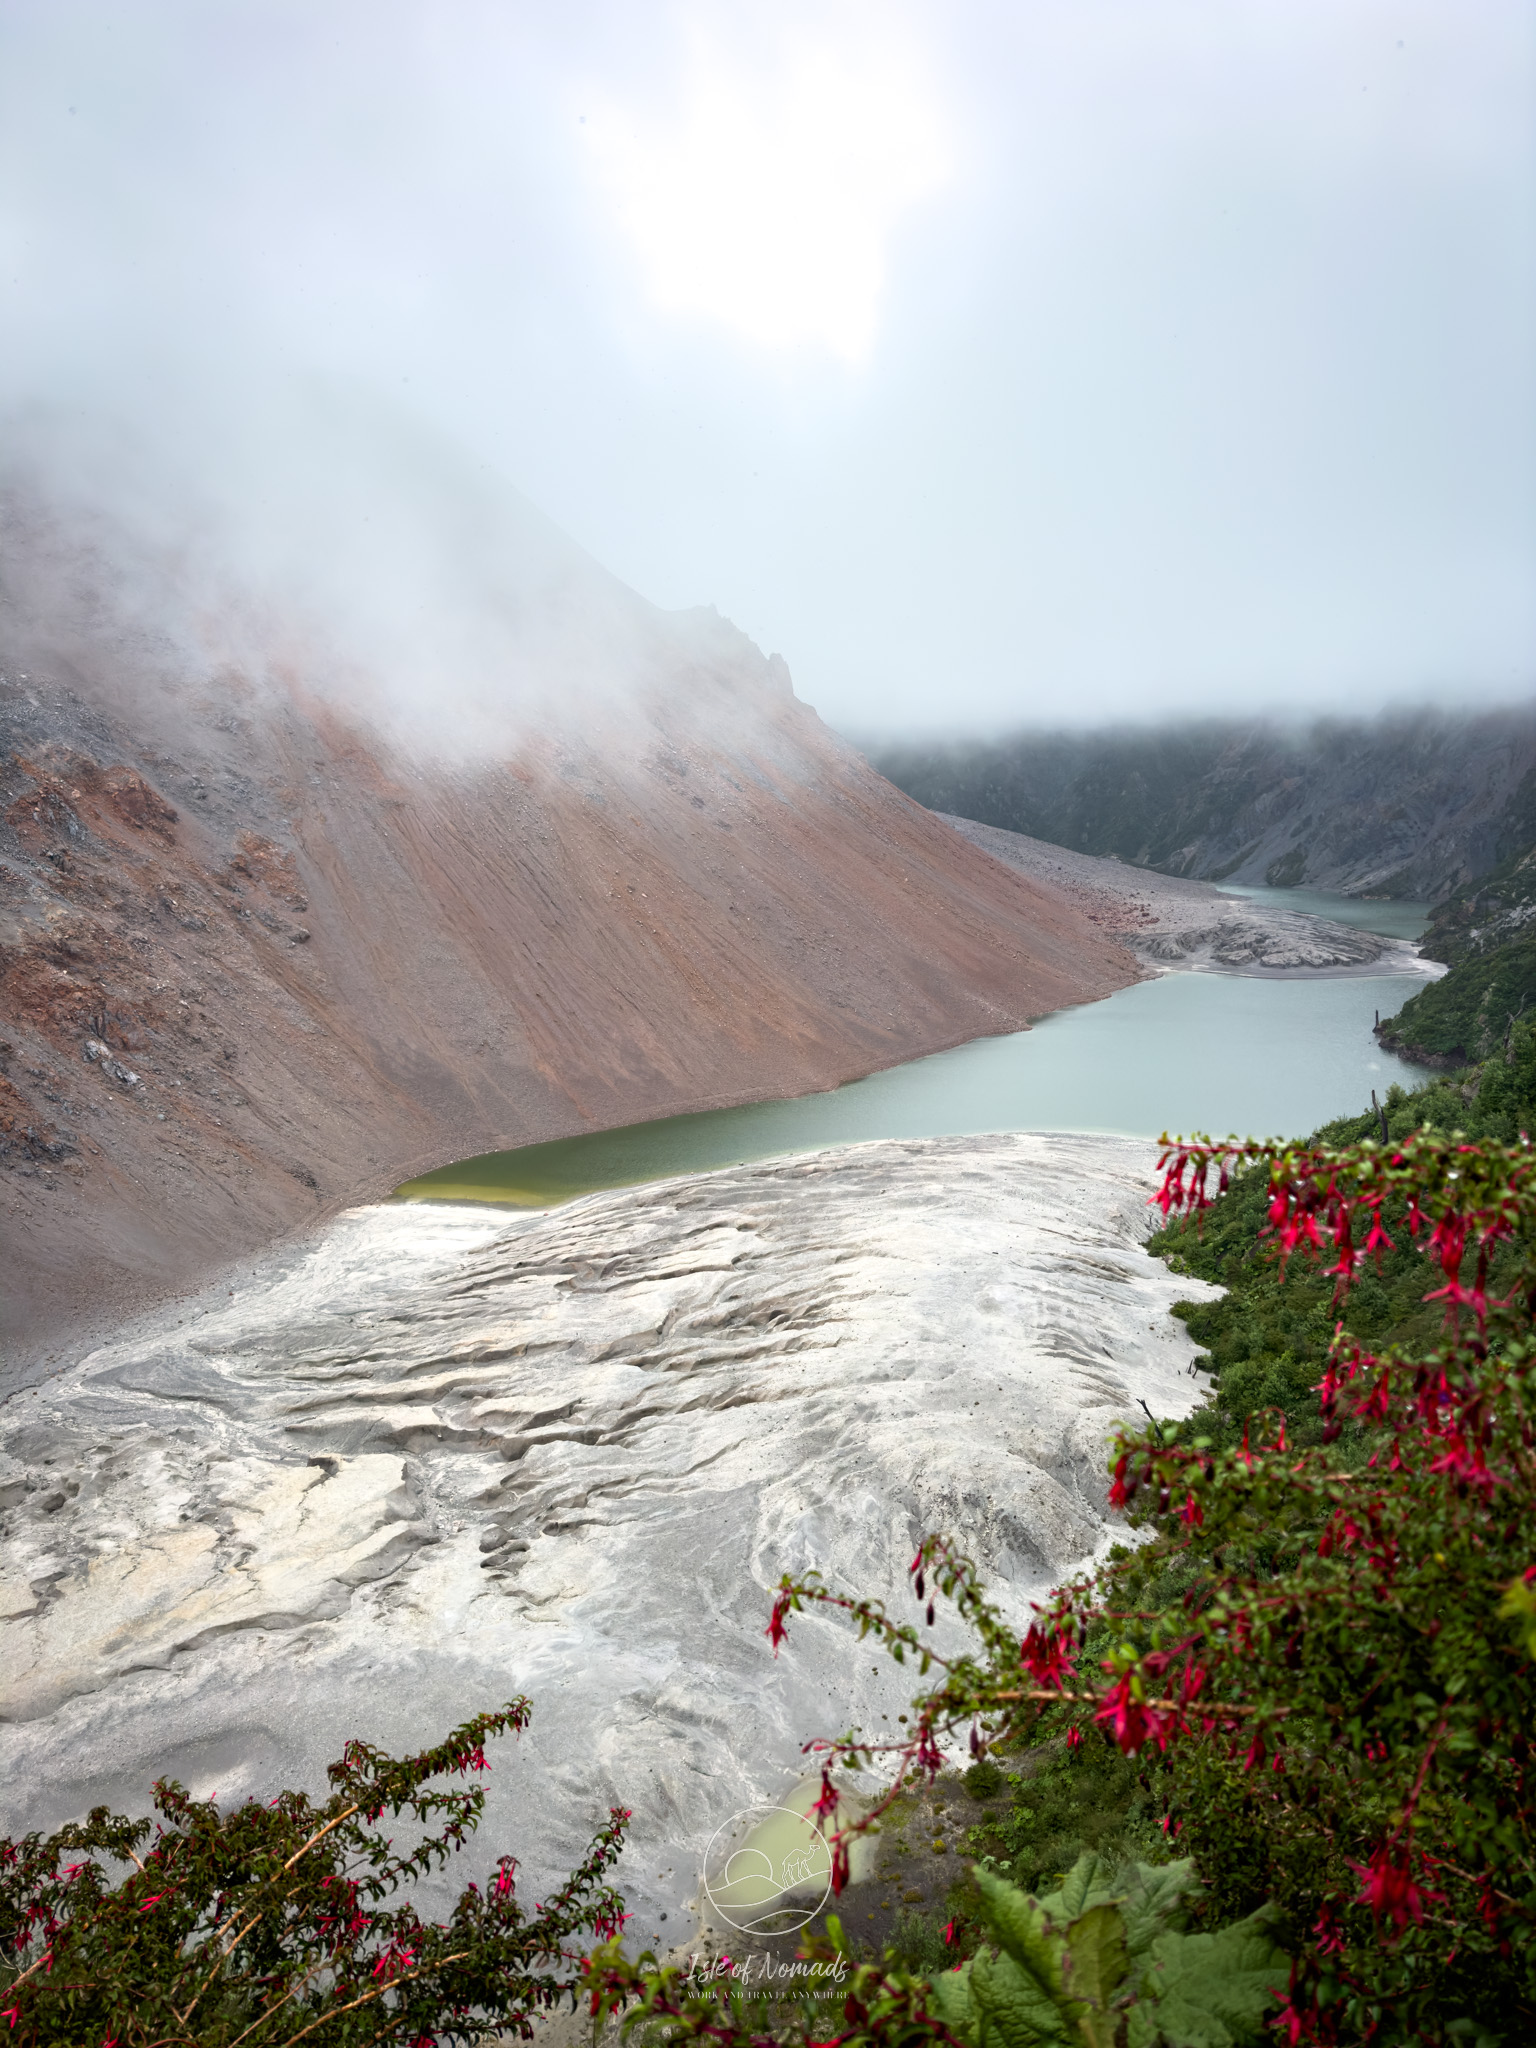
[[288, 915], [1411, 804]]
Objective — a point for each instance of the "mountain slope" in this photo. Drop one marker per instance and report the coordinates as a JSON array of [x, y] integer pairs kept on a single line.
[[256, 962], [1411, 805]]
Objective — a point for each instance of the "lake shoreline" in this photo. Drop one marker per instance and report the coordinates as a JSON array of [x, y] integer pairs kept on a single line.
[[1169, 921]]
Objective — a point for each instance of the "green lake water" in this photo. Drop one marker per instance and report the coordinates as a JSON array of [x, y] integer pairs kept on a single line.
[[1184, 1053], [1392, 920]]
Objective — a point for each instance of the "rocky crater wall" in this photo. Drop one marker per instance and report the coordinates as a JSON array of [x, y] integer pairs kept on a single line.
[[256, 964]]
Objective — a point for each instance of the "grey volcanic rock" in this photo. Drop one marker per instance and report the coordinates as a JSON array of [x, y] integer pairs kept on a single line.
[[1171, 922], [444, 1456]]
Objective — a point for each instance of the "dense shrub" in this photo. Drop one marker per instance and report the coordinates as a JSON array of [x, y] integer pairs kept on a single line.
[[1268, 1339], [263, 1924], [1467, 1013]]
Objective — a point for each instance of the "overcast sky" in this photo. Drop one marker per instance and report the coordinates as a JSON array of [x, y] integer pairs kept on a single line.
[[1056, 360]]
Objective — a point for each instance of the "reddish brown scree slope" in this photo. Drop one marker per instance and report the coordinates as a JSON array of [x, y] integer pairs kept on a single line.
[[328, 970]]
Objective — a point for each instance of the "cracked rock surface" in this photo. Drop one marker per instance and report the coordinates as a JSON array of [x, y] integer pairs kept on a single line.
[[443, 1456]]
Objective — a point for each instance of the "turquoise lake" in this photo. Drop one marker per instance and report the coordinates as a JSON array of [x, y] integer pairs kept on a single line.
[[1184, 1053]]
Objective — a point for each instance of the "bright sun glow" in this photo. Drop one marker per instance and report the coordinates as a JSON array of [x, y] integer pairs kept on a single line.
[[767, 195]]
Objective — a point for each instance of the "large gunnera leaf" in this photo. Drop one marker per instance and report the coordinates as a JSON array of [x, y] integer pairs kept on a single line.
[[1207, 1990], [1017, 1998], [1085, 1885], [1071, 1968]]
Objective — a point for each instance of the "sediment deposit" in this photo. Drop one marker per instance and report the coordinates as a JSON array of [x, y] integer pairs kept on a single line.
[[1169, 922], [257, 963], [445, 1456]]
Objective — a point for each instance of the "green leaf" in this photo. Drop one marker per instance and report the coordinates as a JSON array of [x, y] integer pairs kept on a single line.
[[1096, 1946], [1519, 1606], [1014, 2010], [1024, 1933], [1208, 1990], [1153, 1900], [949, 1997], [1085, 1885], [1004, 2009]]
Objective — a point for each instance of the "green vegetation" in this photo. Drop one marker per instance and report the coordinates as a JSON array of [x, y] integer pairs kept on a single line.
[[1061, 1805], [1268, 1339], [1317, 1663], [1487, 937], [917, 1943], [265, 1923], [1470, 1013], [1109, 1957]]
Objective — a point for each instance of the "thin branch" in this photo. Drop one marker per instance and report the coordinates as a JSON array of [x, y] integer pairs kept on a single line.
[[345, 1814], [367, 1998]]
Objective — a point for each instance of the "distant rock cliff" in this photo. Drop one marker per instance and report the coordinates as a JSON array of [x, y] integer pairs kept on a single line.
[[1406, 805], [256, 964]]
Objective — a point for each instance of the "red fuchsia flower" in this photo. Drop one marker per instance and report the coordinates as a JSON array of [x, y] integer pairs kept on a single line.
[[1378, 1241], [1389, 1889], [1130, 1721], [503, 1881], [1342, 1532], [1466, 1465], [949, 1933], [826, 1799], [12, 2013], [1348, 1259], [1119, 1491], [776, 1631], [1046, 1656], [1329, 1934], [927, 1754], [1192, 1515], [839, 1866], [1376, 1403]]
